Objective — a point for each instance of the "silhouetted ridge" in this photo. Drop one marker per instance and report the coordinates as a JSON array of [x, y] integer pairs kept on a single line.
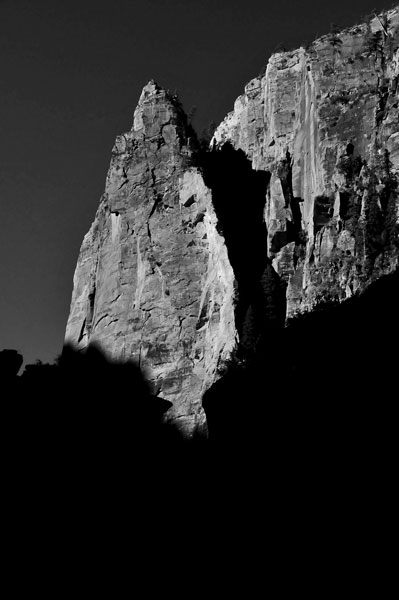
[[307, 426], [86, 400]]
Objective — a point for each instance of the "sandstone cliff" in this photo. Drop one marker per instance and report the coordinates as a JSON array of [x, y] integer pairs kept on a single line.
[[323, 123], [153, 282], [295, 204]]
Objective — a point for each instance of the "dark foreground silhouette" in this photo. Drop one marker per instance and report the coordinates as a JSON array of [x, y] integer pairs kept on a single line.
[[301, 451], [320, 388], [86, 407], [319, 398]]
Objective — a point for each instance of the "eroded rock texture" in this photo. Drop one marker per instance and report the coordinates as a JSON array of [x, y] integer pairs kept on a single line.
[[153, 281], [295, 204], [322, 122]]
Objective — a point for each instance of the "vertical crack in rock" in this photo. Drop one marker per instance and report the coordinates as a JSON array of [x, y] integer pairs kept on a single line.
[[140, 277]]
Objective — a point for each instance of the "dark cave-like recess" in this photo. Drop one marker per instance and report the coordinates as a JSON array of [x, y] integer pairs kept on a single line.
[[239, 196]]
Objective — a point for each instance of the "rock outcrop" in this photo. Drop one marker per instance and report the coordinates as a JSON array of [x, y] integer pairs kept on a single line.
[[153, 281], [323, 122], [295, 204]]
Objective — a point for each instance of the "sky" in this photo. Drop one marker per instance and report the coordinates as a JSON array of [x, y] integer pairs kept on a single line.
[[71, 74]]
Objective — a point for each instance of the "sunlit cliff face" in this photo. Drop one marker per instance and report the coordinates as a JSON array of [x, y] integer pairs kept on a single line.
[[294, 205], [153, 282], [322, 121]]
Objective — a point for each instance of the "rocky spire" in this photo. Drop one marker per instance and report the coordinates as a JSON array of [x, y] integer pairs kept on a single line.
[[304, 178], [153, 282]]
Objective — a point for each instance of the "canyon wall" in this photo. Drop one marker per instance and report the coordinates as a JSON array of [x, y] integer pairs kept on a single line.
[[323, 122], [192, 253]]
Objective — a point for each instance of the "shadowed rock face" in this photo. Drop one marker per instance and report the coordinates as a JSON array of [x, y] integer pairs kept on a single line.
[[153, 282], [323, 123]]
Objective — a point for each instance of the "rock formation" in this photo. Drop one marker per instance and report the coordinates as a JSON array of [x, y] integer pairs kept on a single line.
[[295, 203], [323, 122], [153, 282]]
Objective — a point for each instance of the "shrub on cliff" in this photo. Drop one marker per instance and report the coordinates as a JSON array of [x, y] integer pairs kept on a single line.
[[350, 166]]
